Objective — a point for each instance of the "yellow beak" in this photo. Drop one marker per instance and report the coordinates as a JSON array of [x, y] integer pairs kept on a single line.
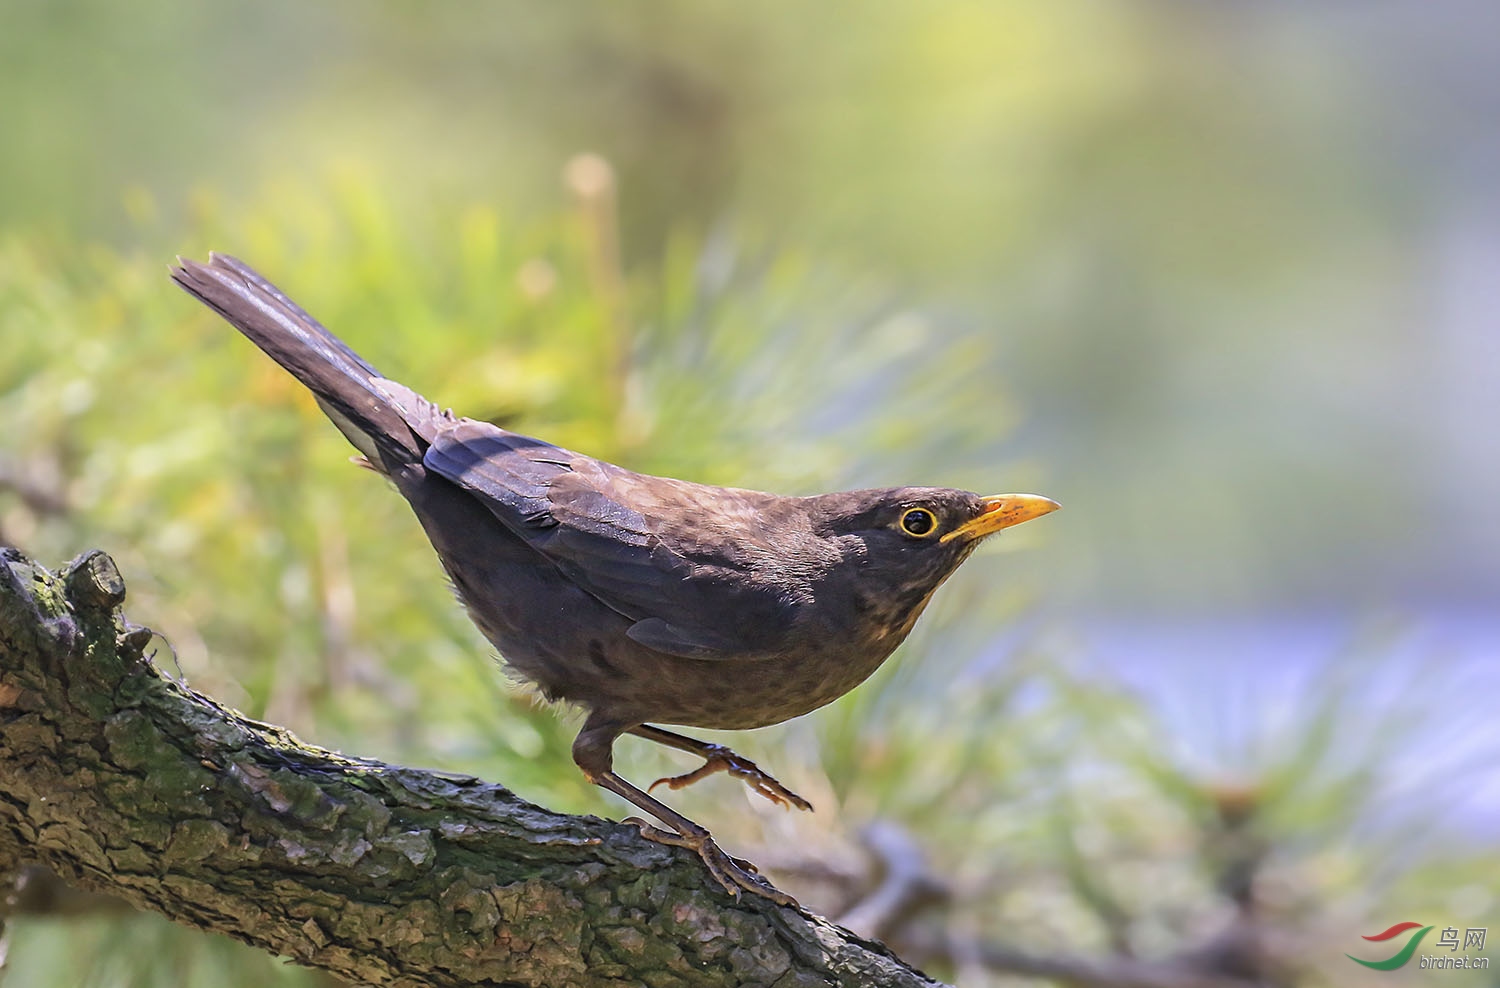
[[1003, 511]]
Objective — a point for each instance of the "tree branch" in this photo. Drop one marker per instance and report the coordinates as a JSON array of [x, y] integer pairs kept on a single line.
[[126, 783]]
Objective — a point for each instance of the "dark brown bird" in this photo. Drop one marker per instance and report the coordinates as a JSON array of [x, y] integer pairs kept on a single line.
[[644, 600]]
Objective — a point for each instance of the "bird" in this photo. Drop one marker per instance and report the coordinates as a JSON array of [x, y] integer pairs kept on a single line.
[[643, 600]]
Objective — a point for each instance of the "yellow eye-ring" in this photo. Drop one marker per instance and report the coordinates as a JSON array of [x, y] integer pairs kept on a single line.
[[919, 522]]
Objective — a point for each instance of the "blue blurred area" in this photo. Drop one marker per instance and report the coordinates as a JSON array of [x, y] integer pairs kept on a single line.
[[1411, 701]]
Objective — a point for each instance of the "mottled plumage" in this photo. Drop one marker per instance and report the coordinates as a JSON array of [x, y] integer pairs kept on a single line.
[[644, 600]]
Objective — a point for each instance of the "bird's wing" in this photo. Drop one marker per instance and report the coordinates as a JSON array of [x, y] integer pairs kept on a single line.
[[603, 527]]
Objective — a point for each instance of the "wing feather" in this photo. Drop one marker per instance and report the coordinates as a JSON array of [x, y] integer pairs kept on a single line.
[[620, 536]]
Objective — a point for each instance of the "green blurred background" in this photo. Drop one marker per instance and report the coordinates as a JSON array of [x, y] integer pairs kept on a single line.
[[1219, 277]]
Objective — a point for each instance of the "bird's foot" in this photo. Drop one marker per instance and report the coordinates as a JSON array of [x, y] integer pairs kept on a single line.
[[734, 874], [721, 759]]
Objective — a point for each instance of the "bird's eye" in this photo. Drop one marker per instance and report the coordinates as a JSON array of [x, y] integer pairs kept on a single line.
[[919, 522]]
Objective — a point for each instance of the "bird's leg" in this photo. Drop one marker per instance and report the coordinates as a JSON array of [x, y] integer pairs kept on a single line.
[[592, 753], [718, 758], [730, 872]]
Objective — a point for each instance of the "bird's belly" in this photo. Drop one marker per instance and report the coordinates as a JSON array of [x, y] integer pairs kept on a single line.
[[614, 674], [737, 695]]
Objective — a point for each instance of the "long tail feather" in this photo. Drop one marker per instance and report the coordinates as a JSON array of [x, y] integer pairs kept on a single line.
[[348, 388]]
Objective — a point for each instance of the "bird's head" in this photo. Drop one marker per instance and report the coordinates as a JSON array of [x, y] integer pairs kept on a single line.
[[908, 540]]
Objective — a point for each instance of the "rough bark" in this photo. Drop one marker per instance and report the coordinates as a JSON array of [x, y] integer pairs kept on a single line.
[[125, 782]]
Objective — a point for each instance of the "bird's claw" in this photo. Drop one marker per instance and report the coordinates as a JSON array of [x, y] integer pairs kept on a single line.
[[733, 874], [722, 759]]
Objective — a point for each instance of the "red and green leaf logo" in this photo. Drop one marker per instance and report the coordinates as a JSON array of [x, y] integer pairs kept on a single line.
[[1401, 956]]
